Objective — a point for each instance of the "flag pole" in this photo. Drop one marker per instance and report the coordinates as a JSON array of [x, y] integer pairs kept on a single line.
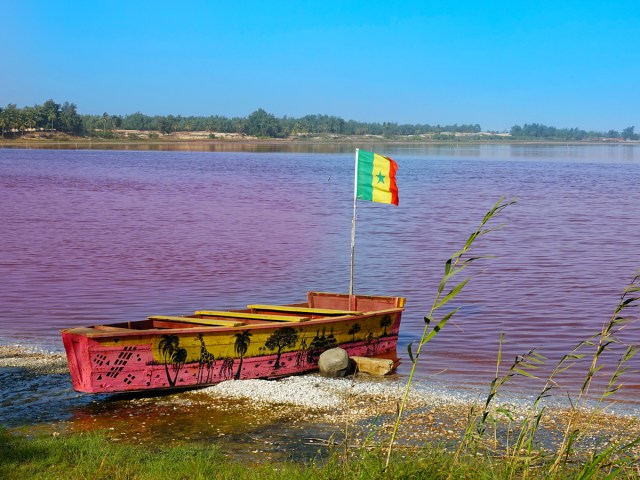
[[353, 231]]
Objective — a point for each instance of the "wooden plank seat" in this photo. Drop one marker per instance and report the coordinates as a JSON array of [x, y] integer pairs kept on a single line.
[[108, 328], [252, 316], [212, 322], [312, 311]]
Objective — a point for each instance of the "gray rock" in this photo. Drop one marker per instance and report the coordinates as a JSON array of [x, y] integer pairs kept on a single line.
[[335, 362]]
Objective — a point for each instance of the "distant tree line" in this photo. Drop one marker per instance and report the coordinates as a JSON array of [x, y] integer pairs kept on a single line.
[[263, 124], [52, 116], [544, 132]]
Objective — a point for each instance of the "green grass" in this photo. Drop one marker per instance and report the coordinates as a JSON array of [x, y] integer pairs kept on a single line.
[[94, 456]]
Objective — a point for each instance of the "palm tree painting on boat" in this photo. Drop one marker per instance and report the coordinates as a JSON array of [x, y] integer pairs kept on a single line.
[[173, 355], [243, 340]]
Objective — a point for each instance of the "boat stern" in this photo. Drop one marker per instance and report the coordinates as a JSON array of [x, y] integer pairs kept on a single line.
[[77, 349]]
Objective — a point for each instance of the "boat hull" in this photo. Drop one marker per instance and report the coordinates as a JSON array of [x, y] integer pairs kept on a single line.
[[110, 359]]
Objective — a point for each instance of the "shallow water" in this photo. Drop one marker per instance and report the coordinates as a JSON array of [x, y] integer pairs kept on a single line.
[[103, 236]]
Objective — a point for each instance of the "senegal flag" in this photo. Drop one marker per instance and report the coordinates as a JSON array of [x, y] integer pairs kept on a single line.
[[376, 180]]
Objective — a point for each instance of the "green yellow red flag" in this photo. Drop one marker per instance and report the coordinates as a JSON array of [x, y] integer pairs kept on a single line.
[[376, 178]]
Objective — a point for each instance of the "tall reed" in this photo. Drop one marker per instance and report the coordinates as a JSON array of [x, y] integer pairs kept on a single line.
[[524, 453], [601, 343], [457, 263], [611, 460]]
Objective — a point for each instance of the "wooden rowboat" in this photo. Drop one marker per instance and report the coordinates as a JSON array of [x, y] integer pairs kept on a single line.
[[261, 341]]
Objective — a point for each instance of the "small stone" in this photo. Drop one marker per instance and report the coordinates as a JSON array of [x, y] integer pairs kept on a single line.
[[335, 362]]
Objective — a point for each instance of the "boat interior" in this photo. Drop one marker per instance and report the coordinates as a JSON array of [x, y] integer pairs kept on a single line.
[[254, 314]]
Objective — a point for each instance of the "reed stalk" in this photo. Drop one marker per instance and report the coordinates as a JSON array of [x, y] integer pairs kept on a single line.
[[610, 461], [601, 343], [458, 262]]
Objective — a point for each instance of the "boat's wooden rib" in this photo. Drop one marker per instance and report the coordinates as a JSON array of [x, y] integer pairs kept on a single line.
[[252, 316], [109, 328], [199, 321], [307, 310]]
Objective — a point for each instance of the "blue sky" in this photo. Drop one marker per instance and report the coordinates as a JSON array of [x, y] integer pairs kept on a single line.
[[496, 63]]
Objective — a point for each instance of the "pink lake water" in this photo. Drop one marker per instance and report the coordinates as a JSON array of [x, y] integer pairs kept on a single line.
[[103, 236]]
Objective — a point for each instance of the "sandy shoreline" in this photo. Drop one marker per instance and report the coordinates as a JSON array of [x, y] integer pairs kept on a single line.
[[294, 412]]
